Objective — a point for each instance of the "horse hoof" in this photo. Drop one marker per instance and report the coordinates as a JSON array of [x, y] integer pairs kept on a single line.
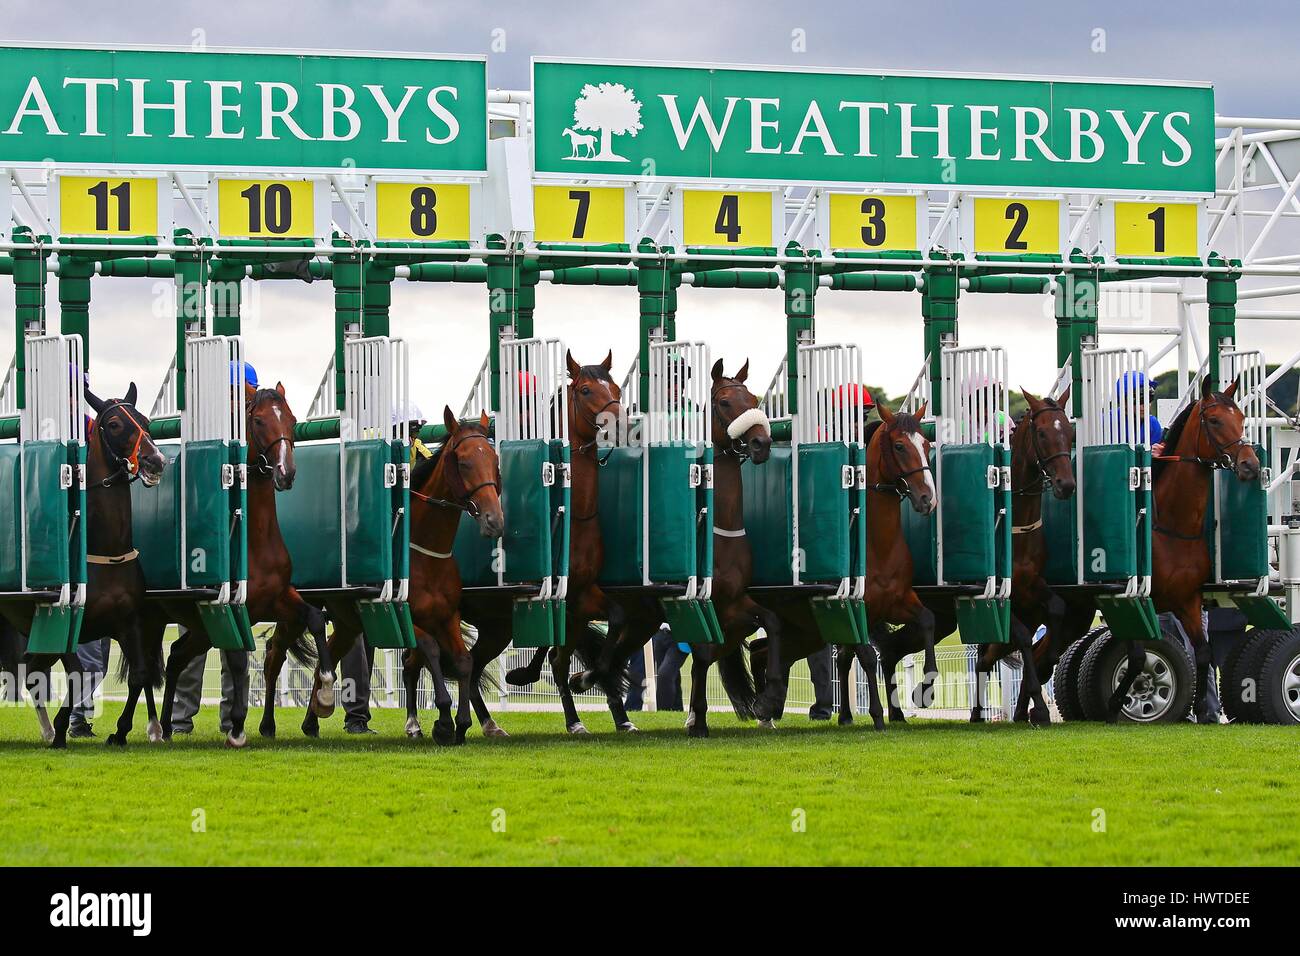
[[59, 743], [690, 719], [977, 718], [413, 729], [236, 742], [461, 731], [627, 727], [267, 729], [1040, 718], [698, 729], [845, 720], [580, 682], [47, 732], [490, 729], [154, 732], [443, 734], [879, 725], [310, 728], [766, 723], [325, 697], [114, 740], [521, 677], [577, 728]]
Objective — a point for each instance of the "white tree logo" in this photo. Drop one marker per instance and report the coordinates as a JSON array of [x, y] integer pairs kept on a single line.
[[609, 109]]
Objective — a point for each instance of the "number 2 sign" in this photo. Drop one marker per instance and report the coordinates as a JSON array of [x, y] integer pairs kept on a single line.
[[1011, 226]]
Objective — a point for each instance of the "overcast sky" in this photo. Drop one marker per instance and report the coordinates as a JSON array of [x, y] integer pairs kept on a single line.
[[1249, 55]]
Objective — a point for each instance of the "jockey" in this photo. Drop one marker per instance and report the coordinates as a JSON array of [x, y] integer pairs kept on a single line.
[[1152, 434]]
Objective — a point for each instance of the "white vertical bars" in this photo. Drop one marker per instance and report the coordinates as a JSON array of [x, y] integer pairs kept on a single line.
[[681, 402], [376, 390], [534, 391], [1114, 412], [830, 377], [1246, 368], [974, 396], [214, 389], [56, 391], [776, 400], [479, 398]]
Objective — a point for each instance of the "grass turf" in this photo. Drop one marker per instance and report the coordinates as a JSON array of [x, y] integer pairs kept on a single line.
[[929, 793]]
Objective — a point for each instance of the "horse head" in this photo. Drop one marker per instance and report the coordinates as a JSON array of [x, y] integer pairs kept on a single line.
[[901, 453], [472, 471], [124, 432], [595, 407], [740, 426], [1050, 436], [1220, 432], [270, 423]]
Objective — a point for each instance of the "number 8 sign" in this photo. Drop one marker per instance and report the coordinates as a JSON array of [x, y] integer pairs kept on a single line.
[[420, 211]]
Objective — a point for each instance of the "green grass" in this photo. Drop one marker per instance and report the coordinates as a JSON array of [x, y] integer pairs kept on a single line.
[[929, 793]]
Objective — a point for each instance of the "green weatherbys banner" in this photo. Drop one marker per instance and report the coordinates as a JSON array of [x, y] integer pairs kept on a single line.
[[772, 125], [235, 109]]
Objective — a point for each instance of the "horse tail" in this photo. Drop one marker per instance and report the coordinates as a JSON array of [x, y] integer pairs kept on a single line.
[[151, 656], [302, 648], [587, 649], [738, 682]]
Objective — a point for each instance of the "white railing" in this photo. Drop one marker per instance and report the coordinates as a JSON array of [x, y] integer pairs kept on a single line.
[[776, 400], [214, 389], [1116, 409], [919, 391], [830, 394], [56, 390], [680, 401], [9, 389], [376, 390], [164, 403], [1246, 368], [534, 391], [479, 399], [324, 403], [973, 389]]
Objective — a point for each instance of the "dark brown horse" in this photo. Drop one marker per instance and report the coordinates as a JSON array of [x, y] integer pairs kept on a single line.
[[594, 408], [1040, 459], [271, 595], [119, 450], [464, 475], [740, 431]]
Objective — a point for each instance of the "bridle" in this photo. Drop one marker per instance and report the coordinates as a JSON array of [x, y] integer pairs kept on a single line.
[[737, 447], [594, 422], [462, 499], [1223, 458], [262, 464], [126, 465], [1041, 460], [900, 479]]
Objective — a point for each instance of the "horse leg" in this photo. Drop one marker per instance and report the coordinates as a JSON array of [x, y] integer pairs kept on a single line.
[[844, 668], [186, 647], [866, 655], [493, 639], [63, 717], [1030, 688], [37, 679], [271, 667], [890, 655], [923, 622], [444, 731], [154, 731], [340, 644], [411, 682], [1053, 643], [771, 698], [452, 645], [531, 673], [983, 665], [294, 611], [560, 659], [152, 631], [237, 661], [697, 722], [132, 645]]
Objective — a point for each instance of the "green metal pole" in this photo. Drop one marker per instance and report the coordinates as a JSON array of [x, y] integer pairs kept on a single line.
[[30, 258], [1076, 327], [656, 281], [800, 316], [939, 312], [1221, 294], [75, 273], [512, 296], [349, 295], [191, 299], [378, 299], [227, 296]]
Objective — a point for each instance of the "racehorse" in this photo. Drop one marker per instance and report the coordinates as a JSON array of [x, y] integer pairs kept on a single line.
[[1040, 459], [464, 475], [740, 431], [1209, 434], [594, 401], [271, 596], [118, 451]]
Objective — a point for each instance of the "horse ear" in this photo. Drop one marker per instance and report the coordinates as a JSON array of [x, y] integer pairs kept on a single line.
[[483, 420], [1230, 390], [717, 370], [1064, 400], [1207, 387], [886, 415], [609, 360], [744, 372], [449, 420], [574, 367], [131, 395], [1035, 403], [249, 392], [279, 387], [94, 401], [920, 412]]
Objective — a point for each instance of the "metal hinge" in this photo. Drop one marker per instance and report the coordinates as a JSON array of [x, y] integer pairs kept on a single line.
[[708, 476], [65, 477], [81, 477], [1147, 484], [566, 475], [243, 475], [993, 477], [1134, 479], [406, 474], [696, 476], [848, 477], [548, 474], [390, 475], [227, 477], [862, 477]]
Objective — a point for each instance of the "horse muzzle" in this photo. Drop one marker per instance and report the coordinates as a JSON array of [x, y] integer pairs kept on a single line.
[[150, 468], [491, 524], [283, 478], [1063, 488]]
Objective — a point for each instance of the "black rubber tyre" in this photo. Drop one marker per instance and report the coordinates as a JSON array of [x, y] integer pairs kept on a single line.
[[1065, 679], [1240, 688], [1162, 694], [1091, 701], [1279, 679]]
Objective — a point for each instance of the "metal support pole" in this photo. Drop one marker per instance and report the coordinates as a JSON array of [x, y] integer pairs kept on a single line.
[[939, 312], [512, 296], [29, 260], [801, 284], [227, 297], [657, 281], [1076, 327], [348, 276], [191, 299], [1221, 294]]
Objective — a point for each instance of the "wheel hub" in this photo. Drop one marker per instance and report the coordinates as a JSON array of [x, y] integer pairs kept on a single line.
[[1291, 687], [1153, 690]]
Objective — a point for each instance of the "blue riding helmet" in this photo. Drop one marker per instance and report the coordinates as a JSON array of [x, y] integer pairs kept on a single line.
[[250, 373]]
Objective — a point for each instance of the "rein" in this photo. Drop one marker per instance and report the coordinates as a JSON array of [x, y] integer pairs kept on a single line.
[[892, 487], [128, 465], [736, 448], [464, 502], [595, 427], [1223, 460], [1045, 478]]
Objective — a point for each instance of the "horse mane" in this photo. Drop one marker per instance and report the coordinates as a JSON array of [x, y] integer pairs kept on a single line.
[[871, 429], [1172, 436], [425, 467]]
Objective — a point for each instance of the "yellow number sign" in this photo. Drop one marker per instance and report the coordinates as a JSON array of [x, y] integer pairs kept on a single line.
[[585, 214], [876, 223], [1156, 229], [422, 211], [1017, 226], [741, 219], [108, 205], [267, 208]]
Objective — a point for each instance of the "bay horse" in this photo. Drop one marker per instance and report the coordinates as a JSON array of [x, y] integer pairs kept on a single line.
[[1040, 459], [118, 452], [740, 431], [463, 476], [271, 595], [594, 401]]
